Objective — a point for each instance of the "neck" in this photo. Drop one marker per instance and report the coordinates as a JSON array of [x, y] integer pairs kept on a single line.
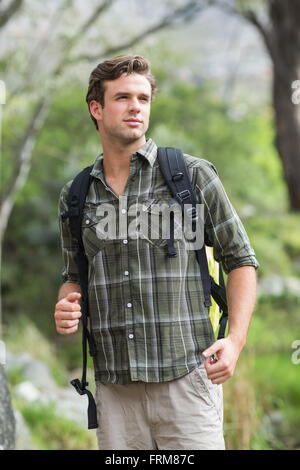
[[116, 157]]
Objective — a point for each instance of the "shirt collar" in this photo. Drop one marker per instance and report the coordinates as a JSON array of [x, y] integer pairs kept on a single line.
[[148, 151]]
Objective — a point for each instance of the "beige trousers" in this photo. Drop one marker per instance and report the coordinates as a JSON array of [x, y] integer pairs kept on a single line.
[[186, 413]]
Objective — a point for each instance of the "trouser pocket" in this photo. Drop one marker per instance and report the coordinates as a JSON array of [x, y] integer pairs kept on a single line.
[[211, 394]]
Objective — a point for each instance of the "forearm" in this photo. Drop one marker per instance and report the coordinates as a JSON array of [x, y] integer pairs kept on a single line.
[[241, 296], [68, 288]]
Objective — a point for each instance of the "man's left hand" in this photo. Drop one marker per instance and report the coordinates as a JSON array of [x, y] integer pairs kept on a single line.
[[220, 360]]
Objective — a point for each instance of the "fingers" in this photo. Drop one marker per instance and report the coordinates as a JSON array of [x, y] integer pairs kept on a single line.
[[213, 349], [68, 323], [220, 380], [67, 314], [64, 305], [65, 326], [216, 377], [66, 331], [220, 371], [220, 377], [73, 297], [227, 352]]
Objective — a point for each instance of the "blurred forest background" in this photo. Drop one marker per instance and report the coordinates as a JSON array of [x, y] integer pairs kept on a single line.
[[228, 75]]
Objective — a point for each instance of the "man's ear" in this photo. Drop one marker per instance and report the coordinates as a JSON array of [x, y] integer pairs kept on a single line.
[[96, 110]]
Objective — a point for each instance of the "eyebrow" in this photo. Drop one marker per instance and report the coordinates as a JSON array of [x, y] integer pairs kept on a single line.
[[126, 93]]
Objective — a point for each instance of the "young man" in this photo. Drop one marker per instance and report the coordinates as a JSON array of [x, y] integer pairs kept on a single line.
[[157, 385]]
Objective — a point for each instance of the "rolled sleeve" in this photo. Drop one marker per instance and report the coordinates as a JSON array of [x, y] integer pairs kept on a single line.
[[69, 271], [223, 227]]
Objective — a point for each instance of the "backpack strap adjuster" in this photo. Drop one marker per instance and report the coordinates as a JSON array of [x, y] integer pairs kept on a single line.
[[177, 177], [184, 194], [64, 215], [78, 386]]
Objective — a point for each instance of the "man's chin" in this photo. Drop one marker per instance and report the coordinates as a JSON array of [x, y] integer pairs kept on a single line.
[[133, 137]]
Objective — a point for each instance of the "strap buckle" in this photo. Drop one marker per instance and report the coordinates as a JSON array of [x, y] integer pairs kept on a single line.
[[78, 386], [64, 215], [183, 194], [177, 177]]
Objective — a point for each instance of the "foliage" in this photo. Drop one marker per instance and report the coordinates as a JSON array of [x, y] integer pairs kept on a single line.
[[275, 240], [52, 432], [23, 336], [239, 146], [265, 381]]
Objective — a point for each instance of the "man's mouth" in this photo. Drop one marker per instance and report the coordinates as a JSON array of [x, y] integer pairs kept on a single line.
[[133, 121]]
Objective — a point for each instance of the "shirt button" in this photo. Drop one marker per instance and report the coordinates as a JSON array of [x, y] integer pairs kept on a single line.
[[123, 211], [87, 221], [130, 336], [129, 305], [125, 242], [126, 273]]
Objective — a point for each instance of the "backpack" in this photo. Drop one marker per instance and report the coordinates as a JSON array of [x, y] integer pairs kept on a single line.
[[175, 172]]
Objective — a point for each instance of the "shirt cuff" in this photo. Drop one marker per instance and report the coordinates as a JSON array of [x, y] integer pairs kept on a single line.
[[239, 262]]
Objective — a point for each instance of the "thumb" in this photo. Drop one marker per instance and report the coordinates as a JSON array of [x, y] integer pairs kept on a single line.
[[73, 296], [213, 349]]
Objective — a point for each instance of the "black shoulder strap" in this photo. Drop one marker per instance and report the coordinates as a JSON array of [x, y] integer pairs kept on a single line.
[[175, 172], [76, 200], [222, 304]]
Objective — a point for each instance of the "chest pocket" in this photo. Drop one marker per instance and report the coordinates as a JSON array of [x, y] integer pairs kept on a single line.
[[97, 232], [158, 215], [150, 221]]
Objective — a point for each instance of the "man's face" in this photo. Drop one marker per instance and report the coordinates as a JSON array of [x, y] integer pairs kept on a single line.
[[125, 115]]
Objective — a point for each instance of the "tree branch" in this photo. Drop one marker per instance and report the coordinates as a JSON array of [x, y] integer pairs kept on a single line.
[[185, 12], [68, 44], [269, 38], [22, 167], [265, 32], [95, 15], [72, 41], [6, 15], [252, 17]]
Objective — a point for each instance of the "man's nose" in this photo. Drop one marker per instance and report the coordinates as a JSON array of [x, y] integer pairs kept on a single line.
[[134, 105]]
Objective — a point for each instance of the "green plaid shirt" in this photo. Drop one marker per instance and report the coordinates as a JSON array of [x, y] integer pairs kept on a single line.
[[147, 310]]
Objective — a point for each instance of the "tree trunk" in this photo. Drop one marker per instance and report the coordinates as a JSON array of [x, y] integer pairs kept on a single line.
[[281, 35], [7, 419], [285, 37], [287, 123]]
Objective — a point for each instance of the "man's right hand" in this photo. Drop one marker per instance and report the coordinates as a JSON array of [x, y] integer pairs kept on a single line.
[[67, 314]]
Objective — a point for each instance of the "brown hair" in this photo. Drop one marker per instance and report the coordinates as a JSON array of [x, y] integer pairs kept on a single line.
[[111, 70]]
